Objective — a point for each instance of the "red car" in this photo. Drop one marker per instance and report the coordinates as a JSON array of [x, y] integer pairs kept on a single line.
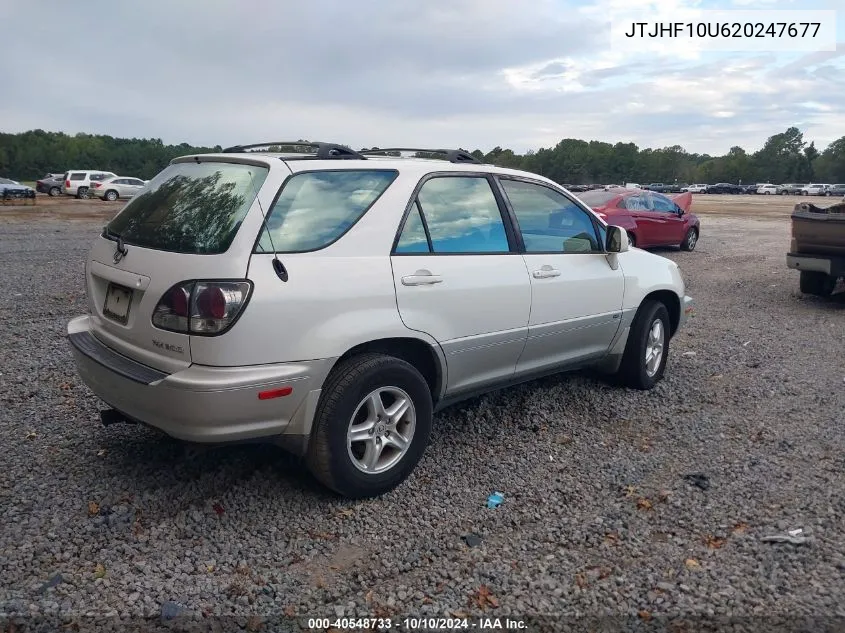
[[650, 218]]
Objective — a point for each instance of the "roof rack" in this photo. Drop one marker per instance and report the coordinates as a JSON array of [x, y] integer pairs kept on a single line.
[[452, 155], [323, 150]]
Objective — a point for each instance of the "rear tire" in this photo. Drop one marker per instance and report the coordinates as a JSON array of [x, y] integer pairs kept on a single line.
[[690, 240], [816, 283], [111, 195], [649, 337], [54, 191], [82, 193], [351, 390]]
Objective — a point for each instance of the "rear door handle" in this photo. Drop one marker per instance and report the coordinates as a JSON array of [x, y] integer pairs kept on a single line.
[[421, 278], [545, 273]]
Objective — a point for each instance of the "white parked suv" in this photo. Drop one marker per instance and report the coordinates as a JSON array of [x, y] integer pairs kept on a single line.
[[77, 182], [332, 301], [695, 189], [769, 189], [815, 189]]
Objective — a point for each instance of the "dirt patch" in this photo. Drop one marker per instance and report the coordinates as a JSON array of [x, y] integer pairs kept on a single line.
[[61, 209], [752, 206]]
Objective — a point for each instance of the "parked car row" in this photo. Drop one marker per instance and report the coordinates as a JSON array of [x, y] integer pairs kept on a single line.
[[85, 183], [765, 188]]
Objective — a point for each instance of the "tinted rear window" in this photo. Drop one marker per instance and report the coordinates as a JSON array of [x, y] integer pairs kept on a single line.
[[77, 176], [192, 208], [597, 198], [315, 209]]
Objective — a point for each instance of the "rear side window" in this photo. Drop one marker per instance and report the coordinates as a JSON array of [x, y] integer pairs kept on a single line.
[[194, 208], [461, 215], [77, 176], [314, 209]]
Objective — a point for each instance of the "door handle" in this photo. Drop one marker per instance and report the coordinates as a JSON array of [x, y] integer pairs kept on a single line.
[[421, 278], [545, 273]]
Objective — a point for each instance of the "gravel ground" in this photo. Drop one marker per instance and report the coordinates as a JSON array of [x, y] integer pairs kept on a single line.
[[598, 518]]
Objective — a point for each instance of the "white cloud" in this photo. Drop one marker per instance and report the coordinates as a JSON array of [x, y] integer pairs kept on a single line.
[[474, 73]]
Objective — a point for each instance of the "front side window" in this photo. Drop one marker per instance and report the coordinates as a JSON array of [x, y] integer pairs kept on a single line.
[[549, 221], [462, 215], [662, 204], [194, 208]]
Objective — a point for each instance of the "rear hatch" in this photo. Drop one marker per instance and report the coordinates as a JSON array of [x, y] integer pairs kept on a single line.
[[172, 264]]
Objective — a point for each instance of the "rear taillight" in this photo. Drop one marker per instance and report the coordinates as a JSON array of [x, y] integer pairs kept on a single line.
[[203, 308], [67, 184], [96, 185]]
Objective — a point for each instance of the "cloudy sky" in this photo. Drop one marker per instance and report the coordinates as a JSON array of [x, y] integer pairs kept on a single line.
[[470, 73]]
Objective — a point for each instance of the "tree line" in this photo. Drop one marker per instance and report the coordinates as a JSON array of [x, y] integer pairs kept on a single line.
[[785, 157]]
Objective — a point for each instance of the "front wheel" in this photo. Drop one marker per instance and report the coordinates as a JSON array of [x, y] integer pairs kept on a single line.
[[644, 360], [784, 193], [371, 427], [690, 240], [54, 191], [816, 283]]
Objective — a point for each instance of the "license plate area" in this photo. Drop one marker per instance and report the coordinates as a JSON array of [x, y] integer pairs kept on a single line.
[[118, 300]]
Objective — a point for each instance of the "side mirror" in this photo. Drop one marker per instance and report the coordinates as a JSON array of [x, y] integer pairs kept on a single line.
[[617, 240]]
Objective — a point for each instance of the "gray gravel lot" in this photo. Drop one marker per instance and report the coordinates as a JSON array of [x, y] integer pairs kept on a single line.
[[598, 518]]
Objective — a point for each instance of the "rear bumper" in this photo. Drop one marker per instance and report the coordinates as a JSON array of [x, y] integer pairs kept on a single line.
[[831, 265], [201, 404]]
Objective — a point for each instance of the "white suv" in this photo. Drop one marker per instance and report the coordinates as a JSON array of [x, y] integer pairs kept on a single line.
[[815, 189], [332, 301], [77, 182]]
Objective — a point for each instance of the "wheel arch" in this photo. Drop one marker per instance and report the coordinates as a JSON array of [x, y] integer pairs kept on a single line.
[[426, 357], [672, 303]]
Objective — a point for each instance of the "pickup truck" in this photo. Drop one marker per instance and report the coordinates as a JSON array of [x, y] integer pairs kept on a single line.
[[659, 187], [817, 248]]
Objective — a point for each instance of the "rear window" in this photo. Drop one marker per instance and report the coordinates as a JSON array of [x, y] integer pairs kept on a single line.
[[77, 176], [194, 208], [316, 208], [597, 198]]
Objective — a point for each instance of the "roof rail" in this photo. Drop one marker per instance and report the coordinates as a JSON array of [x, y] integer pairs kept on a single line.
[[452, 155], [323, 150]]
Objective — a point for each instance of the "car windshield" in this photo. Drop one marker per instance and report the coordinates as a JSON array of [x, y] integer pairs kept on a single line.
[[192, 208], [597, 198]]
